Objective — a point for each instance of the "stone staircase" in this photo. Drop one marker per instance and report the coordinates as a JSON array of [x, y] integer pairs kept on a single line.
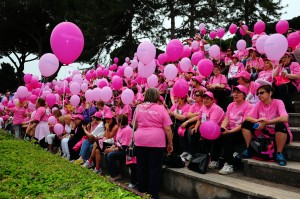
[[257, 179]]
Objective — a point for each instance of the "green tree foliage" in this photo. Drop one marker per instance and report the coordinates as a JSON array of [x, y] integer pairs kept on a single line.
[[8, 78]]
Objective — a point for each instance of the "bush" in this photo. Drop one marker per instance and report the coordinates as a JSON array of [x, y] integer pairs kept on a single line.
[[28, 171]]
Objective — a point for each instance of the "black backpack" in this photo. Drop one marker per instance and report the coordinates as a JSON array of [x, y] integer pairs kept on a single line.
[[173, 161]]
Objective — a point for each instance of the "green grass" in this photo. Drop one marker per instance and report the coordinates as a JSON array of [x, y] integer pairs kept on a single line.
[[28, 171]]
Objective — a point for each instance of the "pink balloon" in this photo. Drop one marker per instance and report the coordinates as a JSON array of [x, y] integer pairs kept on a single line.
[[29, 87], [32, 98], [282, 26], [84, 87], [67, 42], [214, 51], [56, 96], [128, 72], [205, 67], [127, 96], [186, 51], [181, 88], [113, 67], [174, 49], [99, 72], [213, 34], [88, 76], [162, 58], [22, 92], [260, 43], [201, 26], [259, 27], [293, 39], [221, 32], [210, 130], [170, 71], [275, 46], [74, 88], [146, 52], [140, 80], [203, 31], [117, 82], [63, 112], [102, 83], [50, 99], [105, 72], [48, 64], [121, 70], [195, 45], [134, 63], [34, 81], [243, 32], [196, 57], [106, 93], [89, 95], [146, 70], [152, 81], [58, 129], [241, 44], [27, 78], [116, 60], [77, 78], [36, 91], [233, 28], [52, 120], [185, 64], [127, 59], [96, 94], [75, 100]]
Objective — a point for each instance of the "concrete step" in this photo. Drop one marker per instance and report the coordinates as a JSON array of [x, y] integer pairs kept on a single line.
[[271, 171], [293, 151], [295, 96], [297, 106], [184, 183], [296, 133], [294, 119]]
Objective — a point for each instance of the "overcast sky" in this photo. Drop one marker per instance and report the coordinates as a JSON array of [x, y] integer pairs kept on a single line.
[[32, 67]]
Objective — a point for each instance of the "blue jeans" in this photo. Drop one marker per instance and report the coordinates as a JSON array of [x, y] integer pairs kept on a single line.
[[112, 158], [86, 149]]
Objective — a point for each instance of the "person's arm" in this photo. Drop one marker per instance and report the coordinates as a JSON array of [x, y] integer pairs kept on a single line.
[[246, 31], [179, 117], [225, 122], [191, 120], [169, 135], [191, 115], [292, 76], [112, 133], [85, 131]]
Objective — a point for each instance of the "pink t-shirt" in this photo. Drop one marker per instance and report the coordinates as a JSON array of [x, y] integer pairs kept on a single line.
[[221, 79], [271, 111], [266, 75], [19, 114], [151, 119], [183, 110], [227, 60], [235, 69], [258, 62], [242, 54], [123, 136], [213, 113], [41, 114], [294, 69], [237, 113], [138, 98], [195, 108], [125, 110]]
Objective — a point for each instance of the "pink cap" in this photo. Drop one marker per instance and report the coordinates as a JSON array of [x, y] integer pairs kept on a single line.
[[108, 115], [197, 78], [241, 88], [209, 94], [161, 75], [235, 56], [243, 74], [192, 71], [98, 114], [78, 116], [181, 131]]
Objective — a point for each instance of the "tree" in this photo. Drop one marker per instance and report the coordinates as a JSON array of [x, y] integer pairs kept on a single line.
[[8, 78]]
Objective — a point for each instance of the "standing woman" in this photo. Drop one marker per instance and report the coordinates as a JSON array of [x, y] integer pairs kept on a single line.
[[41, 119], [153, 125]]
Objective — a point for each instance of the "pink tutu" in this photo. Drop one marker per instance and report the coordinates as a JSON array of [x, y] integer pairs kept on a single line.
[[41, 130]]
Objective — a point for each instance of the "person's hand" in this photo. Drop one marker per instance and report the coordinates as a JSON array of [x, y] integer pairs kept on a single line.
[[262, 125], [170, 112], [283, 74], [84, 127], [225, 132], [170, 148], [183, 125], [262, 119], [106, 125], [193, 131]]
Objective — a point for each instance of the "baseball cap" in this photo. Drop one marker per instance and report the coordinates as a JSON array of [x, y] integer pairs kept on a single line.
[[243, 74], [209, 94], [241, 88], [108, 115], [78, 116], [197, 78], [98, 114]]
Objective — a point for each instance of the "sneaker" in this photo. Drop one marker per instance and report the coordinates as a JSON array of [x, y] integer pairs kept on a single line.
[[184, 154], [118, 177], [246, 154], [98, 171], [280, 159], [226, 169], [79, 161], [131, 186], [213, 165], [188, 157], [88, 164]]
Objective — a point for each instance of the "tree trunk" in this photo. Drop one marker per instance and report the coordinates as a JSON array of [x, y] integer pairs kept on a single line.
[[192, 18], [246, 17], [170, 4]]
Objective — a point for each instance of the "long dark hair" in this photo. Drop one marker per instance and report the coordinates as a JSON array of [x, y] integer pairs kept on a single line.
[[113, 123]]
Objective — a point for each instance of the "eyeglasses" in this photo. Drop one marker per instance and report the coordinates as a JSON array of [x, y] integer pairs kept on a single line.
[[261, 93], [229, 50], [197, 95]]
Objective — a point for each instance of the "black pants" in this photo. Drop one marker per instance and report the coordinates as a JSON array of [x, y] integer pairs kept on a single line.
[[73, 154], [221, 96], [133, 173], [284, 92], [190, 142], [229, 142], [149, 169]]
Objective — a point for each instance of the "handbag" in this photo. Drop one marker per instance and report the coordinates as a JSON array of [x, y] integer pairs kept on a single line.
[[199, 163], [79, 143], [173, 161], [279, 80], [130, 149], [262, 148]]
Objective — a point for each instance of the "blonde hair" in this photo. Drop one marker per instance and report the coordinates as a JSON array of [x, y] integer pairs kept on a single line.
[[61, 119], [68, 116]]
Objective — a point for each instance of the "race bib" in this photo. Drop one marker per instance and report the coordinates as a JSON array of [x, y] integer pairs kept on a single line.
[[203, 119]]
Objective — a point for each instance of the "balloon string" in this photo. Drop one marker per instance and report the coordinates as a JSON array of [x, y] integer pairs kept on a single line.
[[41, 87], [64, 93]]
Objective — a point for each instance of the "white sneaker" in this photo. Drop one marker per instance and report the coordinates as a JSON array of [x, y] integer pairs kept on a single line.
[[227, 169], [98, 171], [213, 165], [184, 154], [131, 186], [88, 165], [188, 157]]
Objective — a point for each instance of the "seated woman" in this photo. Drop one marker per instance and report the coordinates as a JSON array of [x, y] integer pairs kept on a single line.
[[267, 73], [231, 126], [123, 109], [291, 71], [210, 112], [189, 142], [219, 87], [96, 132], [255, 64], [272, 119], [178, 113], [196, 85], [69, 124], [235, 68], [111, 129]]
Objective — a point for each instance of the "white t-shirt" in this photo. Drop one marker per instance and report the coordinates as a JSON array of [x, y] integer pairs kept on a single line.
[[1, 122], [99, 130]]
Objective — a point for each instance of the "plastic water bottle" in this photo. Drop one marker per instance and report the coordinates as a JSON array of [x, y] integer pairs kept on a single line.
[[256, 125]]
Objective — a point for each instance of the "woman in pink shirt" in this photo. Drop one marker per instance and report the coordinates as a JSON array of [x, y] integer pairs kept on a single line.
[[272, 120], [19, 114], [267, 73], [255, 64], [235, 68], [210, 112], [231, 126], [153, 126], [123, 109]]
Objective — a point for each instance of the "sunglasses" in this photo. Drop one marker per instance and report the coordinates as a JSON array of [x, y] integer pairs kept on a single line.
[[260, 93], [229, 50], [197, 95]]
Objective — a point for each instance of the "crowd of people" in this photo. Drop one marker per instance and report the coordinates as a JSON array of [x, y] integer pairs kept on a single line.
[[240, 95]]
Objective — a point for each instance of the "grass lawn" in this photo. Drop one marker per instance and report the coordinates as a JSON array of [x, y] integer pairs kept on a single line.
[[28, 171]]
